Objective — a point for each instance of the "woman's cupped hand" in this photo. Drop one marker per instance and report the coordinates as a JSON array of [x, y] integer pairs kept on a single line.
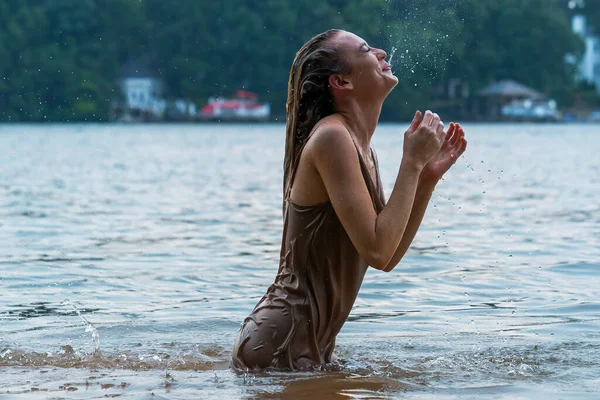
[[428, 145]]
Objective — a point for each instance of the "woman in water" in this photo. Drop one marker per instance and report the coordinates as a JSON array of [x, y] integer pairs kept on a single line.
[[336, 220]]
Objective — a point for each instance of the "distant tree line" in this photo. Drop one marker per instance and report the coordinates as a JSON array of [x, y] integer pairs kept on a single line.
[[60, 59]]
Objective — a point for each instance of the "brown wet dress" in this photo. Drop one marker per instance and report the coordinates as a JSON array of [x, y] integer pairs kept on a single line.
[[295, 324]]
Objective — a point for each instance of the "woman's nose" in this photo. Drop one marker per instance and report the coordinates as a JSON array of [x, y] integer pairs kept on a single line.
[[381, 54]]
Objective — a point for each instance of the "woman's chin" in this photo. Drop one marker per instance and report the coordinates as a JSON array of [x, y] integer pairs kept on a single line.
[[391, 84], [388, 74], [393, 79]]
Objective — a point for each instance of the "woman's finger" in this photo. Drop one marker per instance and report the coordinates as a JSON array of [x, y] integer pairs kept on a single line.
[[455, 137], [435, 121], [416, 121], [451, 130], [440, 128], [427, 118], [463, 146]]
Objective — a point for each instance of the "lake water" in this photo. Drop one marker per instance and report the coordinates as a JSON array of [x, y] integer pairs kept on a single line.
[[130, 254]]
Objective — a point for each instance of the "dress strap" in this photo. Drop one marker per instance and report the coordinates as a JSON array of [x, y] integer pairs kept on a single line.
[[363, 165], [373, 186]]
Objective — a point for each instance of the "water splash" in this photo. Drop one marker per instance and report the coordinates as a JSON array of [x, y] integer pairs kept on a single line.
[[468, 164], [89, 327], [427, 35], [392, 52]]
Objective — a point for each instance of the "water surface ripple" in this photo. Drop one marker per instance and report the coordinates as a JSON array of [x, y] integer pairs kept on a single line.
[[131, 253]]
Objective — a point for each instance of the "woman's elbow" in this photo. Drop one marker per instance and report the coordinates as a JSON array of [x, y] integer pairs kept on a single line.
[[378, 261], [390, 266]]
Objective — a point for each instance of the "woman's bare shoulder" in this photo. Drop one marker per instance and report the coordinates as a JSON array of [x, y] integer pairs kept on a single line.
[[329, 137]]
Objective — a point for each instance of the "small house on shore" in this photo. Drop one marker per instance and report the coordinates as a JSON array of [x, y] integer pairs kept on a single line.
[[509, 100], [142, 95], [144, 98]]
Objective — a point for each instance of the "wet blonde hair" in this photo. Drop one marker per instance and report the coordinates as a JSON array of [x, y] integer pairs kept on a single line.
[[309, 98]]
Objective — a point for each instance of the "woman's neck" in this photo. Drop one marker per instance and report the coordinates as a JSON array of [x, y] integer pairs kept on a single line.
[[361, 119]]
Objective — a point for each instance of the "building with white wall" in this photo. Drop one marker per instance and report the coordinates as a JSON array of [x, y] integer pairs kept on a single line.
[[143, 92], [589, 67]]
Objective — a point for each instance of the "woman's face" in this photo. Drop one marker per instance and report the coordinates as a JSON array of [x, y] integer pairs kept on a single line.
[[371, 74]]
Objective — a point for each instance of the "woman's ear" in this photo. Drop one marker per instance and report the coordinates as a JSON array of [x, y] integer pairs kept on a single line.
[[340, 82]]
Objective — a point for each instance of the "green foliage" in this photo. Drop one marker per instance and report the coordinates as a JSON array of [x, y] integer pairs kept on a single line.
[[60, 59], [482, 41]]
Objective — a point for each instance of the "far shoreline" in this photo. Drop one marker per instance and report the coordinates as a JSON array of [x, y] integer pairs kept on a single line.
[[273, 122]]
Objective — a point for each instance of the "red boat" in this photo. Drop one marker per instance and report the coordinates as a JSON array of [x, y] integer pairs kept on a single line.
[[243, 106]]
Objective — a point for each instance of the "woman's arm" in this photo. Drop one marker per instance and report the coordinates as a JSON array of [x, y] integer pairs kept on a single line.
[[454, 146], [333, 153], [422, 197]]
